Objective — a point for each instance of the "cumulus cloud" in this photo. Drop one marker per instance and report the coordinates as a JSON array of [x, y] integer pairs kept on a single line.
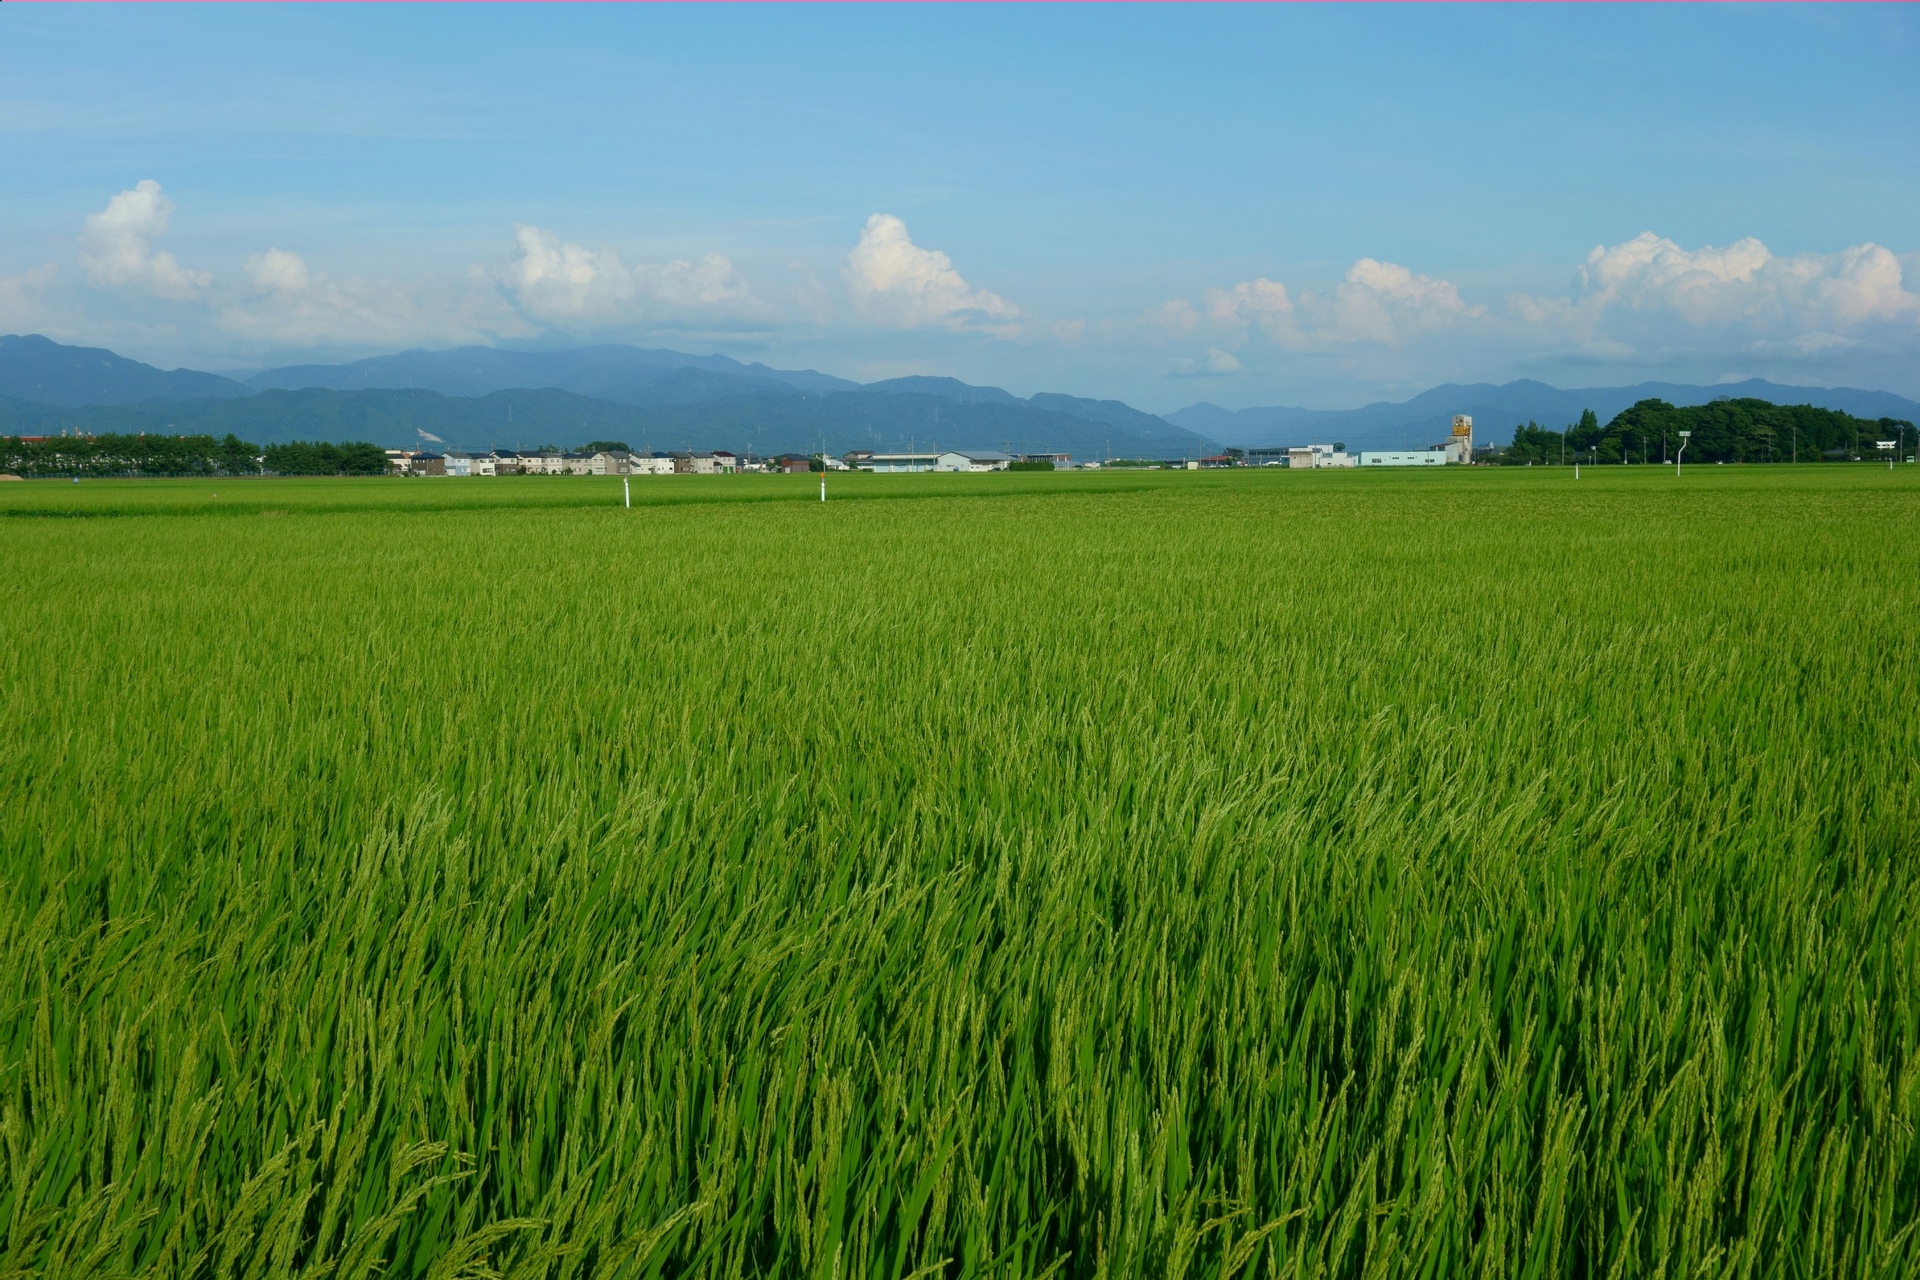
[[894, 281], [116, 246], [1384, 302], [1646, 301], [559, 281], [1806, 300]]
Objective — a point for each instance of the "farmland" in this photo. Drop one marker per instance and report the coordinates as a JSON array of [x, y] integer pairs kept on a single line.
[[1466, 873]]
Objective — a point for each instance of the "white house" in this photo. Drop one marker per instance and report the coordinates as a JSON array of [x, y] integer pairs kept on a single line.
[[972, 460]]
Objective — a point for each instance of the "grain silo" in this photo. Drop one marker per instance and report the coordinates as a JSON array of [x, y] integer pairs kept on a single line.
[[1460, 448]]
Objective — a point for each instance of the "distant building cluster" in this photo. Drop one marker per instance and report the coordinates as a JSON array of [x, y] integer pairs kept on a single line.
[[1456, 450], [687, 462]]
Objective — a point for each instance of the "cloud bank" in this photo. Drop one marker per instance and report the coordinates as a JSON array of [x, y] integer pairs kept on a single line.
[[1646, 301], [1644, 305]]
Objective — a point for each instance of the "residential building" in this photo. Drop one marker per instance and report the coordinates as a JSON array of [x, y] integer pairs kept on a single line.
[[792, 463], [459, 463], [611, 462], [972, 460], [426, 464], [688, 463], [650, 464], [725, 463]]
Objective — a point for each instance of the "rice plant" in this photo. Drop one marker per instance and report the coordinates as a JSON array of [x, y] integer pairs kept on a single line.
[[1462, 874]]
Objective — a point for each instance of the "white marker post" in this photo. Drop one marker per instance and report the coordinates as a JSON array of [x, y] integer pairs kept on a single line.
[[626, 487], [1684, 436]]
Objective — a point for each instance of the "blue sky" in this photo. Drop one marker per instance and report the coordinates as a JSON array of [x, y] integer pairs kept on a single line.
[[1243, 204]]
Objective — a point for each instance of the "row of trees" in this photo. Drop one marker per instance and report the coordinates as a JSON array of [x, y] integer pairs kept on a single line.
[[1724, 431], [157, 455]]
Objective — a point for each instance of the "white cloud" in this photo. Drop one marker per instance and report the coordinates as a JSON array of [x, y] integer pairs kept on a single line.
[[560, 281], [893, 281], [1384, 302], [116, 246], [23, 298], [555, 280]]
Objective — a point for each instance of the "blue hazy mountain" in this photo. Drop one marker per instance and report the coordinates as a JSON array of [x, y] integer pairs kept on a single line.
[[1496, 410], [481, 397], [623, 374], [767, 422], [42, 370]]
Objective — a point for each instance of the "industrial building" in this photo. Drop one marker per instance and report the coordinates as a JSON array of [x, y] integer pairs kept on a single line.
[[1404, 458]]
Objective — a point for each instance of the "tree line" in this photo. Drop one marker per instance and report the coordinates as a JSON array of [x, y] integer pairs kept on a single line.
[[160, 455], [1724, 431]]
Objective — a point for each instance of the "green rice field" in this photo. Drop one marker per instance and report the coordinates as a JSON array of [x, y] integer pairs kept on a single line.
[[1475, 873]]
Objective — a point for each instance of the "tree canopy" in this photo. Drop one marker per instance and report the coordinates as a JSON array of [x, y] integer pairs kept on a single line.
[[1723, 431], [200, 455]]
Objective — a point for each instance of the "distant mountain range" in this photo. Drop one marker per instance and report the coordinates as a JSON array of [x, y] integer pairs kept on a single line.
[[1497, 410], [480, 397], [624, 375], [483, 397]]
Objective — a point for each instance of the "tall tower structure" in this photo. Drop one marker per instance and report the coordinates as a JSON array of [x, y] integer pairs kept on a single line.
[[1460, 448]]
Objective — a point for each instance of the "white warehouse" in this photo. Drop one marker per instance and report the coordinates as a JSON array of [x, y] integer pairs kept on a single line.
[[1404, 458]]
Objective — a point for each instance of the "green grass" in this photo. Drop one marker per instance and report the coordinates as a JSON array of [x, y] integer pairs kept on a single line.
[[1218, 874]]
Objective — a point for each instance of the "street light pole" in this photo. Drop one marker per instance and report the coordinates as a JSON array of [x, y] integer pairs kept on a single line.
[[1684, 435]]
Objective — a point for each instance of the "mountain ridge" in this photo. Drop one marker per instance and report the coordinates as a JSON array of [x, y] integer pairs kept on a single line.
[[36, 368], [524, 418], [719, 402], [699, 401]]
